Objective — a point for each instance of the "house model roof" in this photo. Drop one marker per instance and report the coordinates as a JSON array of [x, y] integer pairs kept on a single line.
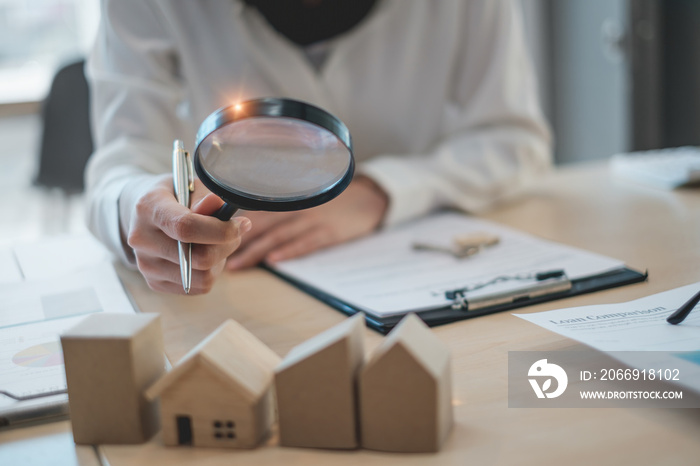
[[231, 353], [351, 328], [418, 341]]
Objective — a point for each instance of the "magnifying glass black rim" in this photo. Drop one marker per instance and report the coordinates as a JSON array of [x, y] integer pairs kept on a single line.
[[272, 107]]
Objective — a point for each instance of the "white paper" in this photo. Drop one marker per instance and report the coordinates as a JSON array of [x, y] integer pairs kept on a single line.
[[56, 256], [9, 268], [635, 326], [383, 275], [34, 313], [96, 289], [638, 325]]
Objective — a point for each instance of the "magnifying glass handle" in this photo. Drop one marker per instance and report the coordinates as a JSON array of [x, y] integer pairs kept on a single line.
[[225, 212]]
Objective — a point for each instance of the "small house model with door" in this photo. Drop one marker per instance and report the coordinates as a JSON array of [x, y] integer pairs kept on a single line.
[[220, 394]]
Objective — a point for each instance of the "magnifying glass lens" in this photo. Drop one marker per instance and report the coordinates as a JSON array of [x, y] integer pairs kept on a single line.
[[273, 154], [274, 159]]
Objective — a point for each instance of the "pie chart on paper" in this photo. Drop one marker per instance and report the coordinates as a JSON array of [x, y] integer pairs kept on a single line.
[[42, 355]]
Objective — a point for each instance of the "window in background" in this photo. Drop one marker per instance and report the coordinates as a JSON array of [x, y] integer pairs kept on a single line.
[[579, 51], [36, 38]]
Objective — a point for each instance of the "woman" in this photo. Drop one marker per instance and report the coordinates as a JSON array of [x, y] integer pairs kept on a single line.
[[439, 97]]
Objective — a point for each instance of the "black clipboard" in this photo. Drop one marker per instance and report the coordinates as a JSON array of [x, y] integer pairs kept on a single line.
[[446, 315]]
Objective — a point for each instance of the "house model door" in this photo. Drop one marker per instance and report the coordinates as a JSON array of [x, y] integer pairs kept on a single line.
[[184, 430]]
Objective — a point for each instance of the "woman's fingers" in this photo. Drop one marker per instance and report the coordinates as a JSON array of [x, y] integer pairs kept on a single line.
[[311, 241], [255, 250], [158, 222]]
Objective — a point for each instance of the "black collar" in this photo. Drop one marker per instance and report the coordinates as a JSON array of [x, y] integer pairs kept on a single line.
[[305, 22]]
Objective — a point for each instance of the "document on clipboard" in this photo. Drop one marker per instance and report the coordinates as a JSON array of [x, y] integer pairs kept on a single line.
[[53, 285], [384, 277]]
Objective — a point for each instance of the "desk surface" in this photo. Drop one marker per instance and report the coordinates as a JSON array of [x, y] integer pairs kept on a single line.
[[580, 206]]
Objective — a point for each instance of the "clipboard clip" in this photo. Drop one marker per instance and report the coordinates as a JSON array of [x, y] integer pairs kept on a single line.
[[545, 283]]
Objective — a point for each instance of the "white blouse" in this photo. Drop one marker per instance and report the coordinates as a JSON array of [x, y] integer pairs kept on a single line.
[[439, 96]]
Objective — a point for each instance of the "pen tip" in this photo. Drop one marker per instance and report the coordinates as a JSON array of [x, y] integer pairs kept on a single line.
[[187, 290]]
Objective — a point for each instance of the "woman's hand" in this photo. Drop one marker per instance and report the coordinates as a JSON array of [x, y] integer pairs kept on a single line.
[[152, 223], [277, 236]]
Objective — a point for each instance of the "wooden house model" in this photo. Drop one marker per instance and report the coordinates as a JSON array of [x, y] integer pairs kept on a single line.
[[315, 386], [110, 360], [220, 394], [405, 391]]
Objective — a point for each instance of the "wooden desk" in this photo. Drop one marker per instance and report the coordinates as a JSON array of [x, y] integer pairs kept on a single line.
[[580, 206]]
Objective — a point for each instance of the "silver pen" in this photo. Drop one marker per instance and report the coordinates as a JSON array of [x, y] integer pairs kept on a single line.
[[183, 184]]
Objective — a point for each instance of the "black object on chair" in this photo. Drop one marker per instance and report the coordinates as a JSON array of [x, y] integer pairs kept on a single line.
[[66, 142]]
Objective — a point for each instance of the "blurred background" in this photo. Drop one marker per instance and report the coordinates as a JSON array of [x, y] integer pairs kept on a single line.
[[615, 76]]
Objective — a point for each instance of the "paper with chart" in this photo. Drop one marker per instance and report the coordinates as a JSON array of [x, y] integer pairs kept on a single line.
[[636, 326], [34, 312], [384, 276]]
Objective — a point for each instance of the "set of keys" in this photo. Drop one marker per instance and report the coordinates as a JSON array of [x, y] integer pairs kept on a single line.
[[462, 245]]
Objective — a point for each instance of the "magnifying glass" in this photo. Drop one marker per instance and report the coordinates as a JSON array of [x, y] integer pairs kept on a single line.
[[273, 154]]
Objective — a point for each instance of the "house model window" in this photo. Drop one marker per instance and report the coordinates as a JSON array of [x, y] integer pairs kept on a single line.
[[224, 430]]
